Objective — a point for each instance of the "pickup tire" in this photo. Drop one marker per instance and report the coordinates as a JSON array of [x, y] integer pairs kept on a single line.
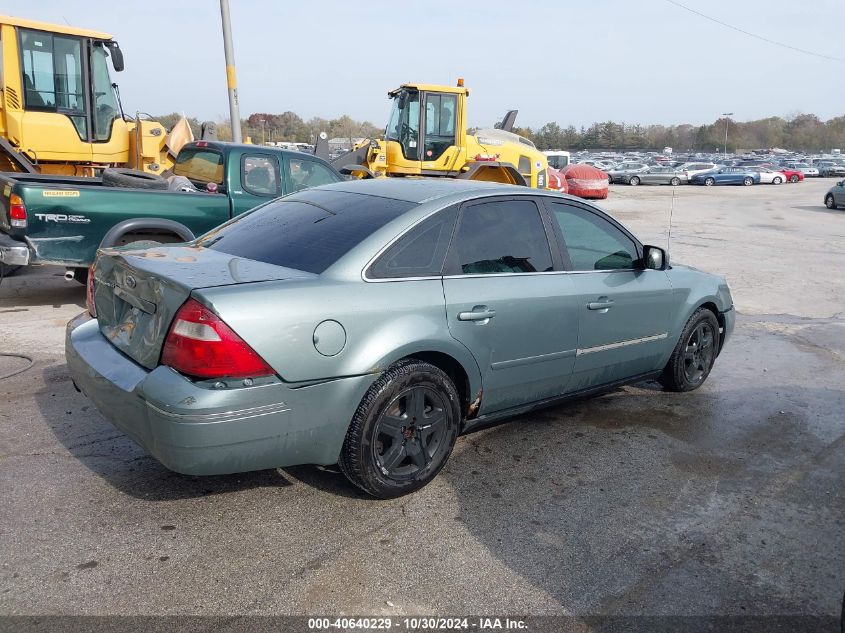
[[133, 179], [8, 271]]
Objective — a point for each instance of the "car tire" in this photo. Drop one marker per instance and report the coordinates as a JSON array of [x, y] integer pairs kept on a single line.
[[777, 180], [694, 355], [748, 181], [793, 178], [830, 201], [675, 181], [132, 178], [405, 392], [634, 181], [709, 181]]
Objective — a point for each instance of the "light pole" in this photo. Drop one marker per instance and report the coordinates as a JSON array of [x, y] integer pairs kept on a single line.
[[231, 80], [726, 114]]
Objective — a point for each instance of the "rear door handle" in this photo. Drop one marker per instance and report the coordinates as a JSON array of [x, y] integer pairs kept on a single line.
[[479, 313], [603, 304]]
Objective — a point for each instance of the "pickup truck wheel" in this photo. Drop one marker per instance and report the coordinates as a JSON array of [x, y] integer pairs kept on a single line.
[[694, 354], [8, 271], [403, 431], [132, 178]]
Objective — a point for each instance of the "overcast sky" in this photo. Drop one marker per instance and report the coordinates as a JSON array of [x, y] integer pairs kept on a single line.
[[645, 61]]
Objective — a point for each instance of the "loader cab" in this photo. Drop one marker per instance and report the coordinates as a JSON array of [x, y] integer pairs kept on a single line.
[[426, 128], [69, 75], [60, 105]]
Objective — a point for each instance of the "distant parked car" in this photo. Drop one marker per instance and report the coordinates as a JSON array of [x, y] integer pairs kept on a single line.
[[659, 176], [691, 169], [807, 170], [835, 196], [770, 176], [832, 170], [623, 172], [727, 176], [791, 174]]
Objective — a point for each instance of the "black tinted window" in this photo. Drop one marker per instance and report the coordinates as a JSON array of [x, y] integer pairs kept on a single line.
[[418, 253], [504, 236], [307, 231], [592, 242]]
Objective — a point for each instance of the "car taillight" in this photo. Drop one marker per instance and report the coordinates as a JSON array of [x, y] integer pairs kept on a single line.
[[201, 345], [89, 293], [17, 212]]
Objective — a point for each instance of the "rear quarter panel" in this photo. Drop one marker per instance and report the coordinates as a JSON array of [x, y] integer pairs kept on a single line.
[[383, 322]]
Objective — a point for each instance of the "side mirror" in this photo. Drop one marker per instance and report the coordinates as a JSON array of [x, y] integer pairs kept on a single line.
[[116, 55], [654, 258]]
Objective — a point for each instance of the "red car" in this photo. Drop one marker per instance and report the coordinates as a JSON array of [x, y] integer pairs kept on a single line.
[[792, 175]]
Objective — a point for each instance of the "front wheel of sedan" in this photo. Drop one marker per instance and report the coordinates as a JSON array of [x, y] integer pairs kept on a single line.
[[793, 178], [748, 181], [777, 180], [709, 181], [403, 431], [829, 201], [634, 181], [675, 181], [694, 355]]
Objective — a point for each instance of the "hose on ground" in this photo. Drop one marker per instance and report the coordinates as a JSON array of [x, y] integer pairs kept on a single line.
[[17, 371]]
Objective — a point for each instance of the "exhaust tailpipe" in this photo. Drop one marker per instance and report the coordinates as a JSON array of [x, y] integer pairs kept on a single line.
[[70, 274]]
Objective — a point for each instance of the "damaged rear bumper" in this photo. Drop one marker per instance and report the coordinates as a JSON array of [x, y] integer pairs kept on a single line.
[[13, 252]]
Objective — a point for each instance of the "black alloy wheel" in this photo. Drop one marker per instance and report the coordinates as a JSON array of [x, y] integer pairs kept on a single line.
[[699, 353], [403, 431], [694, 354]]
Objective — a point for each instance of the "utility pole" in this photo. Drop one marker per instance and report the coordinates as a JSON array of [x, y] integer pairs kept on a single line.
[[726, 114], [231, 80]]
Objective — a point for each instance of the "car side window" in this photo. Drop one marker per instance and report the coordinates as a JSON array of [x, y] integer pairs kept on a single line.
[[501, 236], [592, 242], [420, 252], [260, 175], [306, 173]]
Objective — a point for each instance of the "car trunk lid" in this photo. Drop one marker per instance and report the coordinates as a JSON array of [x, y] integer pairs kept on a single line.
[[137, 292]]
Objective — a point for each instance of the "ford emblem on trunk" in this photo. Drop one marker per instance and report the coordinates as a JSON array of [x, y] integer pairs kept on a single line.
[[130, 281]]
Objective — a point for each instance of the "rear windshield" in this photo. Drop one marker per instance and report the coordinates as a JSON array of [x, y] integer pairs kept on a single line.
[[200, 165], [308, 231]]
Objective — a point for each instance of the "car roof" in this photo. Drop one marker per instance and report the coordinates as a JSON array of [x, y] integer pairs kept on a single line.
[[419, 190]]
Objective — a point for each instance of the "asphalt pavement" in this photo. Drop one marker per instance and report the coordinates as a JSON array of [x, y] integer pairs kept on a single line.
[[727, 501]]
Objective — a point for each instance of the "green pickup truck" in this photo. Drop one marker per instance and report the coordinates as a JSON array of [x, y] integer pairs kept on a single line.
[[64, 220]]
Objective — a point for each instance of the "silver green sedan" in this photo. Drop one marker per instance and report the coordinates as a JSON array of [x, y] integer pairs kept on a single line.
[[368, 323]]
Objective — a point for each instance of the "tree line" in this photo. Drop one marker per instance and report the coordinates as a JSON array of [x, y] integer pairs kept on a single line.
[[287, 126], [797, 132]]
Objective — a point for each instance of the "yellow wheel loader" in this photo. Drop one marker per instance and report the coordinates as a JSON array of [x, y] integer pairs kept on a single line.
[[427, 135], [60, 113]]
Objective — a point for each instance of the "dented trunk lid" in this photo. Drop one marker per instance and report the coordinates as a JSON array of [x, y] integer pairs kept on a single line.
[[137, 292]]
